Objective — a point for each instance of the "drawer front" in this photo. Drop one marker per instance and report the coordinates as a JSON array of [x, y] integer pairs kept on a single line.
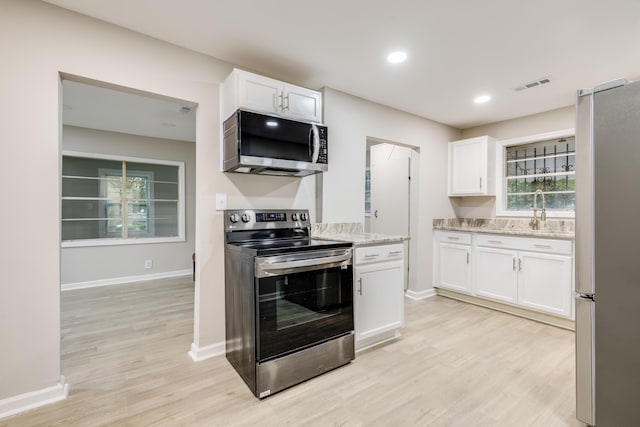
[[525, 243], [379, 253], [563, 247], [454, 237]]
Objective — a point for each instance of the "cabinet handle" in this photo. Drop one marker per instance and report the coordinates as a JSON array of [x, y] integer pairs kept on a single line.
[[281, 104], [286, 104], [395, 252], [480, 182], [467, 257], [360, 286], [514, 263], [543, 246], [453, 238], [519, 264], [495, 241], [371, 255]]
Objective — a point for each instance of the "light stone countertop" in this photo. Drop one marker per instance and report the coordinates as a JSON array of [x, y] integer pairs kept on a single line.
[[352, 232], [550, 229]]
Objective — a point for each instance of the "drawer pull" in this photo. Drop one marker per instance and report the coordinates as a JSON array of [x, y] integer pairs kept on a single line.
[[495, 241], [371, 255], [453, 238], [395, 252], [543, 246]]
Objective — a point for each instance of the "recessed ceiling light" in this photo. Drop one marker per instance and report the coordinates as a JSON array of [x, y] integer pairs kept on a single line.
[[397, 57], [482, 99], [272, 123]]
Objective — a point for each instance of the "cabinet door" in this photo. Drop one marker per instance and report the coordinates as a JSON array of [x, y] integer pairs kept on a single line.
[[468, 166], [302, 104], [379, 298], [495, 274], [453, 267], [544, 282], [259, 93]]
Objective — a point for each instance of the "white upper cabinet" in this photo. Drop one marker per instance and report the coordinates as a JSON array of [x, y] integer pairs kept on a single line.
[[242, 89], [472, 167]]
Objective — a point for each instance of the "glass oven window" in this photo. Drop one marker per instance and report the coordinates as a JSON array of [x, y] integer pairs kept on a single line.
[[300, 309]]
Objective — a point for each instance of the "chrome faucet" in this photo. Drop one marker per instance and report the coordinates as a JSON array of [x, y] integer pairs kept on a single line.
[[535, 222]]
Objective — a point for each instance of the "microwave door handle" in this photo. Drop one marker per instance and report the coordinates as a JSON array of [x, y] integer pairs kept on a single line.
[[314, 141]]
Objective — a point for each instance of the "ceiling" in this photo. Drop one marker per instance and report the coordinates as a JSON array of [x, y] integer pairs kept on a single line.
[[456, 50], [113, 110]]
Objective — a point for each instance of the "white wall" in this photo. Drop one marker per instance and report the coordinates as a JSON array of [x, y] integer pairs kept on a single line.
[[39, 41], [351, 121], [549, 121], [87, 264]]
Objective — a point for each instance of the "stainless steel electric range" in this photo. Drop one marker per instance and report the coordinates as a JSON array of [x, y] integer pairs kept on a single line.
[[289, 299]]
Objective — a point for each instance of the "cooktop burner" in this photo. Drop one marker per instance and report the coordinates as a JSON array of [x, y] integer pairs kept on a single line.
[[262, 232]]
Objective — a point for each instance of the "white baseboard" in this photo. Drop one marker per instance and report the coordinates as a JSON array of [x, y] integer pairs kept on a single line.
[[126, 279], [420, 295], [23, 402], [198, 354]]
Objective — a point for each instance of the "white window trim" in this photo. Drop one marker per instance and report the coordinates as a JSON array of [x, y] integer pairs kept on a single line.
[[134, 240], [501, 186]]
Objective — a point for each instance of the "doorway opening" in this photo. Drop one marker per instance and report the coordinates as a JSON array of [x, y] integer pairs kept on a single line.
[[127, 171], [391, 194]]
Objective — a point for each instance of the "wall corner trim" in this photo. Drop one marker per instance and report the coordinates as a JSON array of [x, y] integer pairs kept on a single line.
[[420, 295], [198, 354], [33, 399]]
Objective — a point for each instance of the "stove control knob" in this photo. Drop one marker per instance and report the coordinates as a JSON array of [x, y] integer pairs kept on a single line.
[[303, 216], [294, 217], [234, 218], [246, 218]]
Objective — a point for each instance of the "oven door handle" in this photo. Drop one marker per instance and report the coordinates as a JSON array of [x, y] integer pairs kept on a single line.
[[266, 268]]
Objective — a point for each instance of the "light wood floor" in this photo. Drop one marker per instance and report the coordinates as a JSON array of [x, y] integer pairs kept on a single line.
[[125, 358]]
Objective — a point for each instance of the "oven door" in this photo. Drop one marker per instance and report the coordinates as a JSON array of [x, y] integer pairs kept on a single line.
[[303, 299]]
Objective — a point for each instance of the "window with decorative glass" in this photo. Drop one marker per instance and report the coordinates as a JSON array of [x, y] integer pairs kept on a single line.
[[546, 165], [116, 199]]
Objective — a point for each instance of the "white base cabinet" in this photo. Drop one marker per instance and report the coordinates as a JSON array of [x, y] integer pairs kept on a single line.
[[531, 273], [496, 274], [454, 261], [378, 293]]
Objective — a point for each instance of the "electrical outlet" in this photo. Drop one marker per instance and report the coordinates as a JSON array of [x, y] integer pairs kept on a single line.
[[148, 263]]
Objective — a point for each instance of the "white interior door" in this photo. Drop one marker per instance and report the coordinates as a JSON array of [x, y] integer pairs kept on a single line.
[[389, 190]]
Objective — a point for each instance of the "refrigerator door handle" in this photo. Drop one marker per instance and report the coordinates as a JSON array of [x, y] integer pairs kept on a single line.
[[584, 219], [585, 356]]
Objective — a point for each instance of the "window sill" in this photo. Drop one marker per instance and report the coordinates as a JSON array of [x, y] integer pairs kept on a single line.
[[118, 242]]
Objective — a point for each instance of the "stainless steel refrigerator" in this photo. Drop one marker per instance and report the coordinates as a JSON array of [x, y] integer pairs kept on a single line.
[[608, 255]]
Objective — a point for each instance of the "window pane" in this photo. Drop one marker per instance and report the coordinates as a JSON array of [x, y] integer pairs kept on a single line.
[[166, 173], [165, 191], [87, 209], [77, 230], [81, 166], [164, 220], [80, 187], [548, 166]]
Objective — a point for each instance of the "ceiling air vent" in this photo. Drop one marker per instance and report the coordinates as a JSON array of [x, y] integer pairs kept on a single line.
[[542, 81]]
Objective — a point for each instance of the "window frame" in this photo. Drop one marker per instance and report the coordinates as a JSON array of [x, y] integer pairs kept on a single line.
[[132, 240], [501, 181]]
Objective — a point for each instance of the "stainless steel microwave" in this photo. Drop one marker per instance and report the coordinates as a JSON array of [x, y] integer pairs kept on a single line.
[[261, 144]]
